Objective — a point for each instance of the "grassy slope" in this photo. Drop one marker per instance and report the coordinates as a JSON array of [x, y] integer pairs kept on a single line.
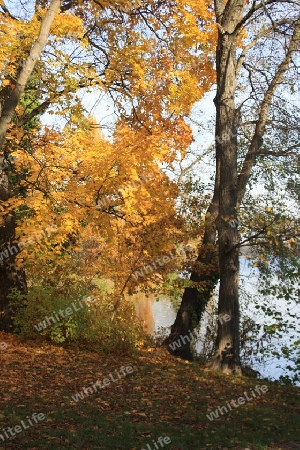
[[162, 397]]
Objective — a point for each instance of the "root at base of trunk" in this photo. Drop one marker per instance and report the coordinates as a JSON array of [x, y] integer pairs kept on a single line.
[[182, 353], [225, 361]]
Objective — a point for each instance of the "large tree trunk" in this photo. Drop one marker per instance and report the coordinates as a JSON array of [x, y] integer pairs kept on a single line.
[[11, 278], [227, 356], [206, 275], [232, 187], [227, 345], [225, 204]]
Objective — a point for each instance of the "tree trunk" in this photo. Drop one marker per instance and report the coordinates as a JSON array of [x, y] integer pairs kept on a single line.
[[11, 278], [232, 187], [206, 275], [224, 209], [227, 355]]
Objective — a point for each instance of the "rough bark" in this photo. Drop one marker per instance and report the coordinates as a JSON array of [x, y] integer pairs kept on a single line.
[[223, 204], [227, 357], [10, 276]]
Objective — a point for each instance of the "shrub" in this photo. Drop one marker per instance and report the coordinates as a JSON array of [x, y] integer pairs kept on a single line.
[[41, 310], [119, 335], [90, 326]]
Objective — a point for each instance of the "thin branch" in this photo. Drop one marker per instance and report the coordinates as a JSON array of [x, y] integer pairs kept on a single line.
[[253, 150], [277, 153], [256, 7], [264, 32], [5, 10], [190, 166]]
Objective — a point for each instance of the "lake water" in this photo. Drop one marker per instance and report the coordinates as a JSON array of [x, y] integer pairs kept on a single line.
[[157, 314]]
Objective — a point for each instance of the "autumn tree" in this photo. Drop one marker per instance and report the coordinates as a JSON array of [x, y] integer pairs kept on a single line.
[[28, 88], [11, 92], [119, 49], [246, 31]]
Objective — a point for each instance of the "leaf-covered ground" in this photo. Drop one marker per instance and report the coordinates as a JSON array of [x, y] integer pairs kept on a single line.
[[162, 397]]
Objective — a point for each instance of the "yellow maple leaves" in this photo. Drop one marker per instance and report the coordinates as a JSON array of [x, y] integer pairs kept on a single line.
[[68, 25], [78, 183], [75, 179]]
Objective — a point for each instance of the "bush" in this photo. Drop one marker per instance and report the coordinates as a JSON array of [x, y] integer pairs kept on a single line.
[[41, 313], [119, 335], [88, 325]]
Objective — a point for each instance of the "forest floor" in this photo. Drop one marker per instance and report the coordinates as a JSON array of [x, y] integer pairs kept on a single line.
[[158, 397]]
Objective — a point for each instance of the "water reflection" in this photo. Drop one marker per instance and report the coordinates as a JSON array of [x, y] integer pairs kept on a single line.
[[144, 311], [153, 311]]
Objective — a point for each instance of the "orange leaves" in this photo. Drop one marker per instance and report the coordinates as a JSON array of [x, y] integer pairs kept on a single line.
[[198, 8], [148, 60], [80, 182], [184, 134]]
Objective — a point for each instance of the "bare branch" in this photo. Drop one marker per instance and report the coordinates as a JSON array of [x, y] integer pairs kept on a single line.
[[264, 32], [253, 150], [257, 6]]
